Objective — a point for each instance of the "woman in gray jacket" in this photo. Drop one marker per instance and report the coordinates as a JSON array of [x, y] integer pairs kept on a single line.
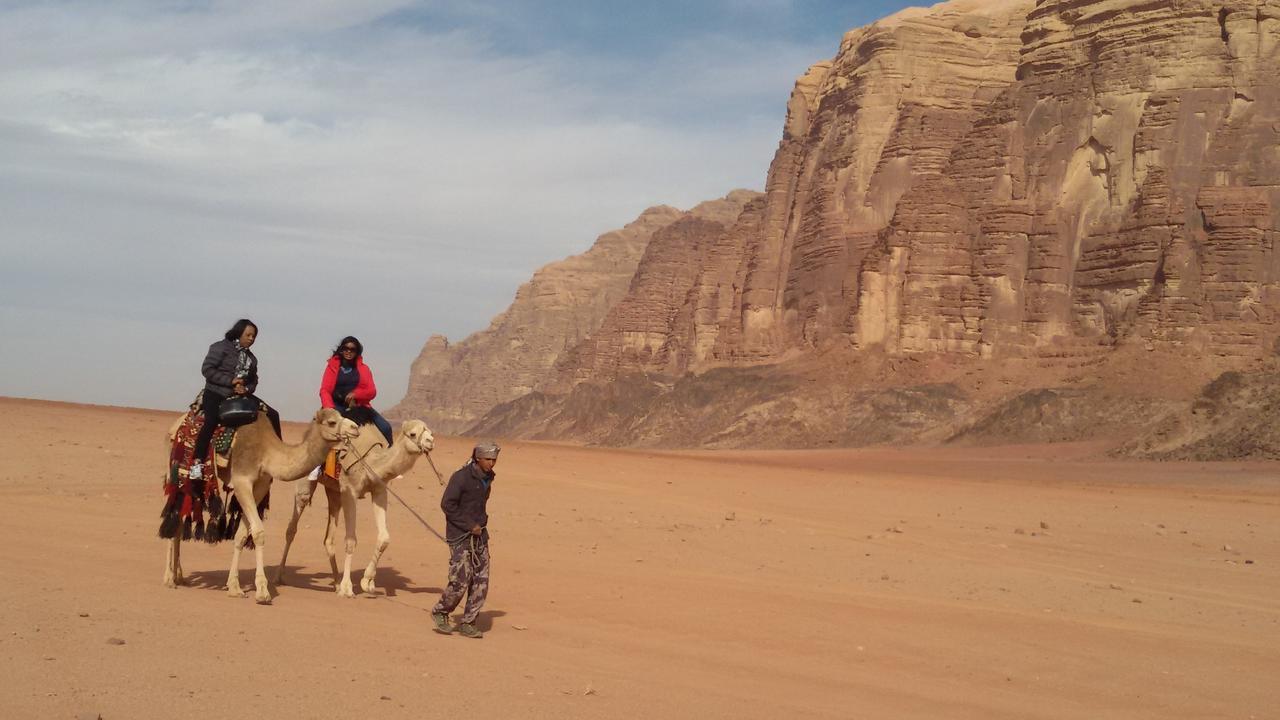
[[230, 368]]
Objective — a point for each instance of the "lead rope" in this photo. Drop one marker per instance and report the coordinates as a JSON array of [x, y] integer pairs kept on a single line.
[[360, 459]]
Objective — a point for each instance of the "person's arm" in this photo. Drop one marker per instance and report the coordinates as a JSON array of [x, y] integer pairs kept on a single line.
[[327, 382], [211, 368], [365, 390]]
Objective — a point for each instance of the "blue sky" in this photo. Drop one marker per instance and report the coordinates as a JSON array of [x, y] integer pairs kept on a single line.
[[386, 169]]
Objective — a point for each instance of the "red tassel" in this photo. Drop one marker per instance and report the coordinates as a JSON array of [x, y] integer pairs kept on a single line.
[[186, 507]]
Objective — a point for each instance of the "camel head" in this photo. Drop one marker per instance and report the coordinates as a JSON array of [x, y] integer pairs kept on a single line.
[[333, 427], [419, 436]]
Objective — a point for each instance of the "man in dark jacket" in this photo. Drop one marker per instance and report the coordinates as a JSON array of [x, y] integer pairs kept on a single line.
[[466, 517]]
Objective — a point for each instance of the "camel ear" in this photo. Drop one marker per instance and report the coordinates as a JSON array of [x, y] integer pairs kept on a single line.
[[319, 412]]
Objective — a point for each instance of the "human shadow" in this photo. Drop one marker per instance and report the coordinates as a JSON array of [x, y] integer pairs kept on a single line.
[[484, 619], [391, 581]]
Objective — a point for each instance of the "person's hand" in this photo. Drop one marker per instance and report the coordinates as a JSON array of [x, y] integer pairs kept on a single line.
[[351, 398], [476, 530], [237, 386]]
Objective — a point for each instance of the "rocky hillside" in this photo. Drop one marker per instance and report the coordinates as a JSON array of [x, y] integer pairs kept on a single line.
[[1057, 194], [452, 385]]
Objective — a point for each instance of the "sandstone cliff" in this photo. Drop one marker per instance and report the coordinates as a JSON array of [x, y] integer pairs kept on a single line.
[[452, 385], [1078, 196]]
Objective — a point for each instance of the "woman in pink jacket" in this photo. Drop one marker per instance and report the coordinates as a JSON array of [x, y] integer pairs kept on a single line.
[[348, 386]]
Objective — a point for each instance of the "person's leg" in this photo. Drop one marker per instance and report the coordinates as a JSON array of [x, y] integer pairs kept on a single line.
[[381, 424], [459, 579], [201, 451], [274, 417], [479, 586]]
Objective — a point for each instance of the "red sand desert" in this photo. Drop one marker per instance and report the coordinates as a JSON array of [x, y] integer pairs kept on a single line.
[[1015, 582]]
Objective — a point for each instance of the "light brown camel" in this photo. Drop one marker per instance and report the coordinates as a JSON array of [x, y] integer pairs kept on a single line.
[[257, 458], [367, 466]]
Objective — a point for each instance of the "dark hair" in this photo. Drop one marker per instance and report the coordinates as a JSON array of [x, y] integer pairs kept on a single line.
[[337, 352], [238, 329]]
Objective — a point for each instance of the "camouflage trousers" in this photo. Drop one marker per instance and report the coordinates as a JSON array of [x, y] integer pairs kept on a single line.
[[468, 575]]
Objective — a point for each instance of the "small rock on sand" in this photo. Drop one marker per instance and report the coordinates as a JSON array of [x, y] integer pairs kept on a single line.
[[114, 641]]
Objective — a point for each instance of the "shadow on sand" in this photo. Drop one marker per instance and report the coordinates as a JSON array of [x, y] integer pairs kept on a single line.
[[390, 581]]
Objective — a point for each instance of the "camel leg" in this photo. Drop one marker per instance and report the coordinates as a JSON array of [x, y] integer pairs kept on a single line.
[[262, 590], [384, 539], [237, 544], [247, 492], [173, 564], [331, 533], [301, 499], [349, 520]]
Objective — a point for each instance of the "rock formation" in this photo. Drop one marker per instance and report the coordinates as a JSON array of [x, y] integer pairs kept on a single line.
[[452, 385], [1045, 190]]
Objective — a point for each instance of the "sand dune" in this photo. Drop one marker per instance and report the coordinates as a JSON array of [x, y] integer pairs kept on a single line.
[[1022, 582]]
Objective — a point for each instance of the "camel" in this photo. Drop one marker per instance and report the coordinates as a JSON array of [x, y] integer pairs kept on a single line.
[[257, 458], [367, 468]]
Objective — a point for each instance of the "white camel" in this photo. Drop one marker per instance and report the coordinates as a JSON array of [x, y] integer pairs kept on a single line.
[[367, 467], [257, 458]]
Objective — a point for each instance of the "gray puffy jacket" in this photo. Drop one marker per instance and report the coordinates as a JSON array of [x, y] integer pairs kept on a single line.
[[219, 368]]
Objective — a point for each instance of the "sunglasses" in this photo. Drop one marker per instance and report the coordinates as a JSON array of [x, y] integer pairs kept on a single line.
[[348, 348]]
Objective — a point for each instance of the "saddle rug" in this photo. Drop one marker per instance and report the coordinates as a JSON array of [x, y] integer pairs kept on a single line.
[[196, 509]]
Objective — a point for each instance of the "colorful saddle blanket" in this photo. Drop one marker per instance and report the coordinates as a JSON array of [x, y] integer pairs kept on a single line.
[[196, 508]]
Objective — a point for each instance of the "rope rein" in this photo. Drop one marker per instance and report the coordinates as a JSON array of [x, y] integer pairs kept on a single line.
[[374, 476]]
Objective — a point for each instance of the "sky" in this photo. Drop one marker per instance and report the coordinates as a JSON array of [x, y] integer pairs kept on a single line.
[[385, 169]]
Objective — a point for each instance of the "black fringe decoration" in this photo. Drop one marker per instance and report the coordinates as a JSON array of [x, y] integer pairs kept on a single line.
[[169, 522], [169, 519], [186, 529]]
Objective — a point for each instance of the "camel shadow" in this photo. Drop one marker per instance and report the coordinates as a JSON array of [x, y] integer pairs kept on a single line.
[[214, 579], [390, 581]]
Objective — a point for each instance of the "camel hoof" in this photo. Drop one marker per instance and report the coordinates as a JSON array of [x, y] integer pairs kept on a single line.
[[169, 583], [344, 590], [235, 592], [368, 586], [262, 598]]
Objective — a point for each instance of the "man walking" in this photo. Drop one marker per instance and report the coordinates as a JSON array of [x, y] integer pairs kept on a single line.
[[466, 517]]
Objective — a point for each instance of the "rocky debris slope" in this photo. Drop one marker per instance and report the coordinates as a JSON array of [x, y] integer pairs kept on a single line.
[[1235, 416]]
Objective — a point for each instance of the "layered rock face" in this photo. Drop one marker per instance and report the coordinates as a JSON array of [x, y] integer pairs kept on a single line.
[[452, 385], [1123, 188], [1062, 186], [860, 130], [997, 179]]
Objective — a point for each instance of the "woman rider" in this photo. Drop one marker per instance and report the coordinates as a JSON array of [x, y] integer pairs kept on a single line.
[[229, 368], [348, 384]]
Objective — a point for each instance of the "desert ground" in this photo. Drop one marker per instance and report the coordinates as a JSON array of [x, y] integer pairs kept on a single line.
[[1011, 582]]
